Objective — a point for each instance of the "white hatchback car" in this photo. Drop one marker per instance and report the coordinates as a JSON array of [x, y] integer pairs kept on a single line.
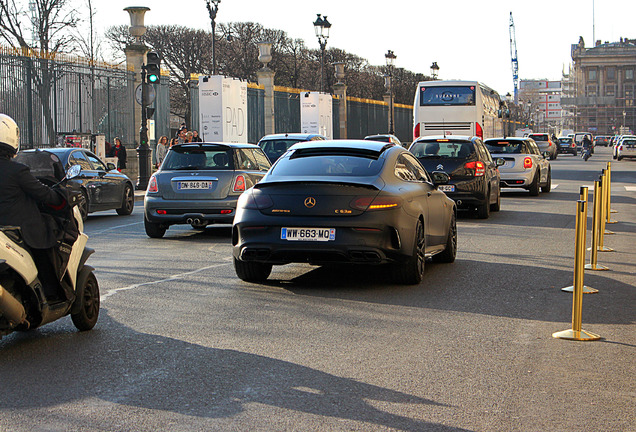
[[626, 148]]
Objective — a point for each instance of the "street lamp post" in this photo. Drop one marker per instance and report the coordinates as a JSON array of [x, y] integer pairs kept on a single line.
[[213, 8], [390, 61], [321, 27], [434, 70]]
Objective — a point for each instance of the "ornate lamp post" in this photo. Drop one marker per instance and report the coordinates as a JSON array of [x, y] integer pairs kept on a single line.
[[390, 60], [434, 70], [321, 27], [213, 8]]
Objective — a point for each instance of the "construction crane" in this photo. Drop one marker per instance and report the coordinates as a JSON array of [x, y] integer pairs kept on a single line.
[[513, 57]]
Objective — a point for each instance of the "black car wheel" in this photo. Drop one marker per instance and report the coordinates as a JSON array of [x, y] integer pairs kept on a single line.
[[154, 230], [534, 187], [128, 203], [450, 252], [88, 298], [483, 210], [83, 206], [497, 205], [548, 185], [252, 271], [411, 271]]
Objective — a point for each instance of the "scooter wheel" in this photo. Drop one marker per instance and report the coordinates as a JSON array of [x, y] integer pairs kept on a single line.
[[88, 298]]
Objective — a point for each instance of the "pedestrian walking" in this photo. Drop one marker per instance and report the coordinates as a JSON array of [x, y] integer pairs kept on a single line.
[[196, 137], [161, 150], [120, 154]]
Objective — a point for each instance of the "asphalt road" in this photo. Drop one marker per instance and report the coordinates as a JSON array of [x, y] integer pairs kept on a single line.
[[183, 345]]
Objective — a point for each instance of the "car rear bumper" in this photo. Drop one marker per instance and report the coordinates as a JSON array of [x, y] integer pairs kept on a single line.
[[173, 212]]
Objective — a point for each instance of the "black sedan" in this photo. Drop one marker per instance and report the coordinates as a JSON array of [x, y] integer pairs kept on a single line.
[[102, 186], [345, 201]]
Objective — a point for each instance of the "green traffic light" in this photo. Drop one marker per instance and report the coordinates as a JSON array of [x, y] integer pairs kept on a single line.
[[153, 78]]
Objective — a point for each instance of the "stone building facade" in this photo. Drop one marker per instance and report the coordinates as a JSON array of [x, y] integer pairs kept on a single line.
[[604, 86]]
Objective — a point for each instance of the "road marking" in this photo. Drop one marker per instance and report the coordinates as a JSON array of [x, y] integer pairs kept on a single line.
[[630, 188], [170, 278], [115, 227], [554, 186]]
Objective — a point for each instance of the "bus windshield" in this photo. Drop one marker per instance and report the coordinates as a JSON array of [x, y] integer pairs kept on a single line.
[[447, 95]]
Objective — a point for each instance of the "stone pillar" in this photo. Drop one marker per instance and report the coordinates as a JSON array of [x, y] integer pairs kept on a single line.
[[265, 78], [340, 90]]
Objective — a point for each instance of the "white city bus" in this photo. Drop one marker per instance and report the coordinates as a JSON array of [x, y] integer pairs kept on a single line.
[[457, 108]]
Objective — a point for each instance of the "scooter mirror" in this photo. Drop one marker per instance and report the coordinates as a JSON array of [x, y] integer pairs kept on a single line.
[[73, 171]]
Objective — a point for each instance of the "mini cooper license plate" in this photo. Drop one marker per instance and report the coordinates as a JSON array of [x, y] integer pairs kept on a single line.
[[308, 234], [447, 188], [194, 185]]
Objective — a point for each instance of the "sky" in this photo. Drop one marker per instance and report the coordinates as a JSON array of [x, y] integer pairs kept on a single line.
[[469, 39]]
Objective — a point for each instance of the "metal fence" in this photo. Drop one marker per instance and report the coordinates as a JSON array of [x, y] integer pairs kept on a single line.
[[52, 94]]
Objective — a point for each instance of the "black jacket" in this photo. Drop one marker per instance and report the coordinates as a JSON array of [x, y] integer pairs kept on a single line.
[[20, 194]]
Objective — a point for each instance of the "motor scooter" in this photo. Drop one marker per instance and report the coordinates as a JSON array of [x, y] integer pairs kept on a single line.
[[25, 302]]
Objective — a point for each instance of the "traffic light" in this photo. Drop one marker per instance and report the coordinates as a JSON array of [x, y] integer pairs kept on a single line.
[[153, 71]]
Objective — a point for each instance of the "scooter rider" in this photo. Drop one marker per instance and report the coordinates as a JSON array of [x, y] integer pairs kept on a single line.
[[587, 147], [20, 195]]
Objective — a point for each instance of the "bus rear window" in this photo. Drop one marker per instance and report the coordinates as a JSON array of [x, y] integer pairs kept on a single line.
[[447, 95]]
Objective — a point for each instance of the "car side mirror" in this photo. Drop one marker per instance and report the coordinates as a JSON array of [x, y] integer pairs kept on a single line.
[[73, 171], [440, 178], [111, 166], [500, 162], [546, 155]]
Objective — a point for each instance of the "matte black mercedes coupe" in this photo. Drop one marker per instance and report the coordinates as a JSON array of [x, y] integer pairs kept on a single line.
[[345, 201]]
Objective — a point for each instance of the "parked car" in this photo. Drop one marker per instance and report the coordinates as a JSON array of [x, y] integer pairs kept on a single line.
[[474, 177], [545, 144], [384, 138], [524, 165], [601, 140], [627, 148], [102, 186], [276, 145], [566, 145], [199, 184], [345, 201]]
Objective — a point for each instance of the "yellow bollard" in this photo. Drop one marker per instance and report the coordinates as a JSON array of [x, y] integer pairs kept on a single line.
[[609, 193], [586, 289], [603, 208], [576, 332], [596, 229]]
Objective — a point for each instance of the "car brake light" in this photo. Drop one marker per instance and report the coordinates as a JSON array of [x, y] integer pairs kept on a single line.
[[239, 184], [527, 162], [254, 200], [478, 166], [377, 203], [416, 131], [479, 131], [573, 145], [152, 185]]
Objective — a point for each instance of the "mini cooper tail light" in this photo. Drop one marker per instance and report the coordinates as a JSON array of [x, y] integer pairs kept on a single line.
[[478, 166], [527, 162], [152, 185], [416, 131], [479, 131], [239, 184]]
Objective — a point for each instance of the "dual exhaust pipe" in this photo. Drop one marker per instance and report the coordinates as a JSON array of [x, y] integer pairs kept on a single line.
[[196, 222], [11, 308]]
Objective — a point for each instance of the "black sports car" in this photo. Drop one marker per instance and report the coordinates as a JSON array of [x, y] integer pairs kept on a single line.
[[101, 185], [345, 201]]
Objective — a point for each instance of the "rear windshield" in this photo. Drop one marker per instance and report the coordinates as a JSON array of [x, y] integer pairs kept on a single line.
[[326, 165], [276, 148], [446, 149], [542, 137], [198, 159], [629, 142], [565, 140], [505, 146], [447, 95]]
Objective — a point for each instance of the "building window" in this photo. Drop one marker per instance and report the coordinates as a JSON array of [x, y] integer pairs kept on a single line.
[[629, 74], [591, 91], [591, 74], [629, 95], [610, 73], [610, 90]]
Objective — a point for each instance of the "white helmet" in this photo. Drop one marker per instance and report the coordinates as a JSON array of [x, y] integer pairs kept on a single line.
[[9, 132]]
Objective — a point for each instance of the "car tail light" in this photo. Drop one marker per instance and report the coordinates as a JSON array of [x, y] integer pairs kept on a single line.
[[620, 147], [375, 203], [573, 145], [416, 131], [162, 212], [254, 200], [527, 162], [239, 184], [152, 185], [479, 131], [478, 166]]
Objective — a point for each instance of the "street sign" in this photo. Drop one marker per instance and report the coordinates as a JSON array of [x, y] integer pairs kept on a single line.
[[150, 94]]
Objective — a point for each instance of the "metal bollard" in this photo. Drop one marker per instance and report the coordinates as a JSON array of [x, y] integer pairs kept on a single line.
[[603, 208], [586, 289], [609, 193], [576, 332], [596, 229]]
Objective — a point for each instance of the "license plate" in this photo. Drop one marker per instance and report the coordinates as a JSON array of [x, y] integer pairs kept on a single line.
[[447, 188], [194, 185], [308, 234]]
